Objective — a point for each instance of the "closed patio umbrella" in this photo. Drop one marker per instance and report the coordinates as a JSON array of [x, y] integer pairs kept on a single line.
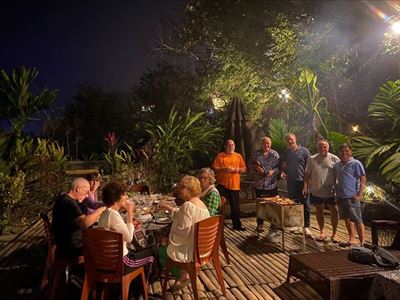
[[242, 131]]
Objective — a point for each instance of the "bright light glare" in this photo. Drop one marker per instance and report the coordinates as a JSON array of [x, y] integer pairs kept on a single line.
[[354, 128], [284, 94], [396, 27], [369, 189]]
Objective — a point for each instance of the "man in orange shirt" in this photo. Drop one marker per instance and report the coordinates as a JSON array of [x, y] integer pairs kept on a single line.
[[228, 166]]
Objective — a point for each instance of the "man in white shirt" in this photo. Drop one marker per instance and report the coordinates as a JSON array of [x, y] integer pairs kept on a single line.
[[319, 181]]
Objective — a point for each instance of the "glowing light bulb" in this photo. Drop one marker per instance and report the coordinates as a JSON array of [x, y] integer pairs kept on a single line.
[[354, 128], [396, 27]]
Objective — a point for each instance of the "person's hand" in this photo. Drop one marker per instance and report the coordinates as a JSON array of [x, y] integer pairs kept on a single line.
[[129, 206], [166, 207], [356, 197], [271, 173], [305, 191], [259, 170], [283, 175]]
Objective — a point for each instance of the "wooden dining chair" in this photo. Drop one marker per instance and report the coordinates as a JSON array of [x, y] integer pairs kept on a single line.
[[104, 264], [55, 268], [207, 236], [222, 210]]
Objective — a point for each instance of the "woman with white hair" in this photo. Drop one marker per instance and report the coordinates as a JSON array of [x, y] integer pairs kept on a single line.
[[209, 194]]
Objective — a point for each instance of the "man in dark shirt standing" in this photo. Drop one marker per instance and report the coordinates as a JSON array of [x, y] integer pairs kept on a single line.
[[294, 161], [68, 219]]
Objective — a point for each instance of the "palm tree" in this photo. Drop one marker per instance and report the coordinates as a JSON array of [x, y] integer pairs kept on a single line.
[[382, 146], [19, 103]]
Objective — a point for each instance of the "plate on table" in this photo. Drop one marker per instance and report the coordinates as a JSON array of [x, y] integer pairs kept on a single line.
[[144, 218], [163, 220]]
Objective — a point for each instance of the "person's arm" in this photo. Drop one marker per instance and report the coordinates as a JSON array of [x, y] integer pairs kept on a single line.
[[214, 203], [242, 165], [363, 182], [118, 224], [87, 221], [307, 177]]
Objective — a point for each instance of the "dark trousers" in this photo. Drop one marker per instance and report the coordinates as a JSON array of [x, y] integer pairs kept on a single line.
[[264, 193], [234, 201], [295, 192]]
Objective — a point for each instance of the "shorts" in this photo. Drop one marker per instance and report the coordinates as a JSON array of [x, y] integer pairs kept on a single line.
[[319, 201], [350, 209]]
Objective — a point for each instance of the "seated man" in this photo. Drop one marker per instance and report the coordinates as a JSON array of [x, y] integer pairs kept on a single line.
[[68, 219], [209, 194]]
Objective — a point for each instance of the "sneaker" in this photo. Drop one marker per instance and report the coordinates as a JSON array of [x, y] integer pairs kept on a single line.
[[274, 237], [308, 232], [294, 229]]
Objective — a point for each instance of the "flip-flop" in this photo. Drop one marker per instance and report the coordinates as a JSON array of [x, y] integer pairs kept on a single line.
[[321, 238], [335, 241]]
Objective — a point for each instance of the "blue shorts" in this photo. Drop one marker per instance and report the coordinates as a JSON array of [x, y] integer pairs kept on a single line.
[[322, 201], [350, 209]]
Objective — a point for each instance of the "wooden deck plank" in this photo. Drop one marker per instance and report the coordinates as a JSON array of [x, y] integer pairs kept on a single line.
[[257, 270]]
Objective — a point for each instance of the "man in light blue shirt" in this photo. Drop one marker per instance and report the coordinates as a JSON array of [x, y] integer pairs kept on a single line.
[[350, 186]]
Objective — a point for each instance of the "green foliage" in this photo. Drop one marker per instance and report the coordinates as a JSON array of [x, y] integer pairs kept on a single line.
[[174, 145], [381, 147], [11, 193], [19, 102], [277, 130]]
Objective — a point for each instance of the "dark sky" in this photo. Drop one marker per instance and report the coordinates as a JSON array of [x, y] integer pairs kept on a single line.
[[71, 42]]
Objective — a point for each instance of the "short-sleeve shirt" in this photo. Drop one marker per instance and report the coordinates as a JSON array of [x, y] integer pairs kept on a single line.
[[296, 161], [320, 171], [348, 178], [230, 181], [67, 233], [267, 162]]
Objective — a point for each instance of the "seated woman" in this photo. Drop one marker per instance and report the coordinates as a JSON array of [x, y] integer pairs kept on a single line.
[[181, 237], [209, 194], [115, 198], [91, 202]]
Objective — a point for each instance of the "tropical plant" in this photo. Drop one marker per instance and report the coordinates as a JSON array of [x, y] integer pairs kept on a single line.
[[19, 102], [11, 193], [174, 147], [277, 130], [381, 147]]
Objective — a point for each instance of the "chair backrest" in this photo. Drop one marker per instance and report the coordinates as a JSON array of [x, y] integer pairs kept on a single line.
[[48, 229], [222, 206], [103, 255], [207, 239]]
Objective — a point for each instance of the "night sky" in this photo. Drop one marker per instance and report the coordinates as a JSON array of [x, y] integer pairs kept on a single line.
[[72, 42]]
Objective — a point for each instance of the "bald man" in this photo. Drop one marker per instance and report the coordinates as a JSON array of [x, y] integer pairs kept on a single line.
[[228, 166], [68, 219]]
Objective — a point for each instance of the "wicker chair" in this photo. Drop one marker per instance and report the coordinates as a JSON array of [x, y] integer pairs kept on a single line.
[[222, 210], [206, 249], [386, 233]]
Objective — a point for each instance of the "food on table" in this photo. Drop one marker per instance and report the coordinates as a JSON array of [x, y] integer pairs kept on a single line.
[[279, 200]]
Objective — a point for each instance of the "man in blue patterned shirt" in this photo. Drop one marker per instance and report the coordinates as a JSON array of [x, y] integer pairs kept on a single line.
[[264, 162]]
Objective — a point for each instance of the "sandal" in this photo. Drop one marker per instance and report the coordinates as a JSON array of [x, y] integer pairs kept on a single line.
[[259, 228], [321, 238], [335, 240]]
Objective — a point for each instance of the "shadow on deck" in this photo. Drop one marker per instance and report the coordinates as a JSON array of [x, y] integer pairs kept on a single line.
[[257, 271]]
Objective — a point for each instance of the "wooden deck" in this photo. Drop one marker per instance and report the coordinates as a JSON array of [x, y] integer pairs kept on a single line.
[[257, 271]]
